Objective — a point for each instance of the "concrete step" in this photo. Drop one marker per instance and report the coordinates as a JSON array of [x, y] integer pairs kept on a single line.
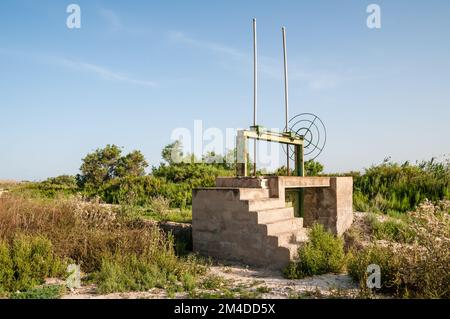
[[253, 193], [283, 226], [273, 215], [291, 237], [256, 205], [302, 236], [242, 182], [293, 250], [284, 254]]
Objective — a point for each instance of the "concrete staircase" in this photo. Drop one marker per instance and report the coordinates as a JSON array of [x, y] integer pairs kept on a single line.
[[256, 228], [246, 219], [284, 232]]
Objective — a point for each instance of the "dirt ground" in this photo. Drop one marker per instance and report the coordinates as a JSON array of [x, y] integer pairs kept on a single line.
[[273, 283]]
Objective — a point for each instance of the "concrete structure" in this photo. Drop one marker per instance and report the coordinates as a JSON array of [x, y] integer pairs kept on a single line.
[[248, 220]]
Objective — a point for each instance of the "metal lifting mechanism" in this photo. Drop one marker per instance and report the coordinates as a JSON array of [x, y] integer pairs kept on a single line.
[[304, 134], [257, 132]]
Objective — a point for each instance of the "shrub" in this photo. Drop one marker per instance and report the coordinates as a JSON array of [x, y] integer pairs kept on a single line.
[[123, 251], [388, 261], [61, 186], [44, 292], [419, 270], [26, 262], [324, 253], [130, 273], [160, 206], [156, 267], [391, 230], [394, 187]]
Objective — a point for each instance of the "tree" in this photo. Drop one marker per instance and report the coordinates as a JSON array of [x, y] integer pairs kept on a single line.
[[312, 168], [133, 164], [104, 164], [173, 153]]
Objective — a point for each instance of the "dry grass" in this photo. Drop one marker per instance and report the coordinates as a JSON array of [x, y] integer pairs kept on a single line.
[[83, 232], [120, 252], [418, 269]]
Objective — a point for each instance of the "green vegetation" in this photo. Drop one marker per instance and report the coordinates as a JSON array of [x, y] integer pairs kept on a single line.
[[131, 272], [42, 292], [324, 253], [388, 188], [312, 168], [25, 261], [120, 251], [392, 229], [117, 179], [48, 224], [400, 188], [61, 186], [411, 271]]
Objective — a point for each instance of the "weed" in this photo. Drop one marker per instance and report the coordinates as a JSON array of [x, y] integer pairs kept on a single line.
[[26, 261], [263, 290], [419, 270], [43, 292], [392, 229], [322, 254]]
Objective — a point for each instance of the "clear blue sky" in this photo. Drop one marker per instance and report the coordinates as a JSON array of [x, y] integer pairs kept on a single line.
[[138, 69]]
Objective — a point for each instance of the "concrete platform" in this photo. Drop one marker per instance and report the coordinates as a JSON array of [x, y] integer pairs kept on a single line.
[[247, 219]]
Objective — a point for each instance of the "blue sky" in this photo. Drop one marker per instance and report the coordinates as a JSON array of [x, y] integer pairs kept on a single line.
[[138, 69]]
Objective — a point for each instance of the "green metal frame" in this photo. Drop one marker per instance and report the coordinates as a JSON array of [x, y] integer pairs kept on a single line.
[[260, 133]]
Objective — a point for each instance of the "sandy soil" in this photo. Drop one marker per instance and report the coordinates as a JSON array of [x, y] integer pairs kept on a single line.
[[250, 279]]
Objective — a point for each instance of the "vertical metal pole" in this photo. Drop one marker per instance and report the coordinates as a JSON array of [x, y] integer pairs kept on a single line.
[[255, 90], [299, 167], [286, 100]]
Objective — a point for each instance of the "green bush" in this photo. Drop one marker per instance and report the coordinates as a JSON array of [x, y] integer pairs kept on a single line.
[[389, 262], [26, 262], [131, 272], [419, 270], [324, 253], [391, 230], [44, 292], [64, 185], [394, 187]]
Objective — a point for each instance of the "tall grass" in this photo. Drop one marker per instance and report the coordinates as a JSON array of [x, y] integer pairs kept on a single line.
[[393, 187], [418, 270], [98, 237]]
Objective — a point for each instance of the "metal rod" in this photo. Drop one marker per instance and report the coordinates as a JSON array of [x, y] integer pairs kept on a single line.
[[255, 90], [286, 99]]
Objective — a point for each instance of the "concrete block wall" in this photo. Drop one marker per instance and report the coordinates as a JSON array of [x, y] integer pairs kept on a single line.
[[330, 206]]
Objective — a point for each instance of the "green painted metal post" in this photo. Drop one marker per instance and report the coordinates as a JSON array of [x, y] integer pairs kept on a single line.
[[300, 171]]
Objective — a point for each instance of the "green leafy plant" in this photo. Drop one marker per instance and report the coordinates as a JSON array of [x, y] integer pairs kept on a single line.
[[322, 254], [26, 261], [43, 292], [419, 270], [401, 187]]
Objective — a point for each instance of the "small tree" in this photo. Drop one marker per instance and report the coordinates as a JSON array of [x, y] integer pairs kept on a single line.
[[172, 153], [107, 163], [133, 164], [312, 168]]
